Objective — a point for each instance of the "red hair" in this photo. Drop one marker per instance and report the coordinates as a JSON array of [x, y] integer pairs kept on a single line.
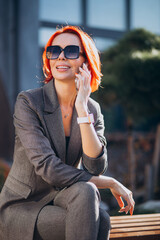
[[90, 50]]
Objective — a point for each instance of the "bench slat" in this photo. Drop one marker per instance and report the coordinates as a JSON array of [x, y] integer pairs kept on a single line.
[[135, 224], [142, 216], [136, 229], [146, 226], [135, 234], [135, 220]]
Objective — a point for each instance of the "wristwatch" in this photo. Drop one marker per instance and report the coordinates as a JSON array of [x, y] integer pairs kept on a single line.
[[89, 119]]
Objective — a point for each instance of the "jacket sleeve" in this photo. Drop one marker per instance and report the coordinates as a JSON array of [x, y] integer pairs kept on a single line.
[[97, 166], [37, 147]]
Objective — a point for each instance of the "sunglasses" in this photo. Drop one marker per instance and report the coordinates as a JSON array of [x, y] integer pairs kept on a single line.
[[70, 52]]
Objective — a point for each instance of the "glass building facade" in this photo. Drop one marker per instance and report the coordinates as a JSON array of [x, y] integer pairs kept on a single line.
[[105, 20]]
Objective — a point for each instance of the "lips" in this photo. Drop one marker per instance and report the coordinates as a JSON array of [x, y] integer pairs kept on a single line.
[[62, 67]]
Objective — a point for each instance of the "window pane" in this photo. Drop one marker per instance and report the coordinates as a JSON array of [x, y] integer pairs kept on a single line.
[[146, 14], [63, 11], [103, 43], [44, 35], [106, 14]]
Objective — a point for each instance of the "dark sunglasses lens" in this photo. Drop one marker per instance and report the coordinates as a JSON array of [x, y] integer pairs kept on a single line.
[[53, 52], [71, 52]]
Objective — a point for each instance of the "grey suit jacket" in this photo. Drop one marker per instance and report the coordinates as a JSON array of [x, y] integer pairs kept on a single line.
[[41, 166]]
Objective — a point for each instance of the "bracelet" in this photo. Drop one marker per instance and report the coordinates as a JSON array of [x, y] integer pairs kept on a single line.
[[89, 119]]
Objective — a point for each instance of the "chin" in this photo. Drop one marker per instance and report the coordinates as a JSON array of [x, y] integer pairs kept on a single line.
[[69, 78]]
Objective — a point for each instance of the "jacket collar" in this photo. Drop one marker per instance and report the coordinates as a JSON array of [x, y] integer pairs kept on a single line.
[[50, 97]]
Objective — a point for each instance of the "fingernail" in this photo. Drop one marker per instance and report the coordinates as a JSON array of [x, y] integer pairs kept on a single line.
[[121, 210], [131, 212], [77, 74]]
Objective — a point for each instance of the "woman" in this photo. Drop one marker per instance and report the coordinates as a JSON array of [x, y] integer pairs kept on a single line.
[[45, 195]]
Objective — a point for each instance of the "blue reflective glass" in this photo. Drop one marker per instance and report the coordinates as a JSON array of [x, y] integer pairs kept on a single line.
[[103, 43], [146, 14], [106, 14], [44, 35], [63, 11]]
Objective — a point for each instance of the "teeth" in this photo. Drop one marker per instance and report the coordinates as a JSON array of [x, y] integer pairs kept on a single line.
[[64, 67]]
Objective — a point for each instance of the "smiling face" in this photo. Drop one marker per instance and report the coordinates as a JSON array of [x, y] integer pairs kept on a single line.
[[63, 68]]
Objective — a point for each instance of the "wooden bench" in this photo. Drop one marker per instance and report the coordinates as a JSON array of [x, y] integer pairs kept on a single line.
[[146, 227]]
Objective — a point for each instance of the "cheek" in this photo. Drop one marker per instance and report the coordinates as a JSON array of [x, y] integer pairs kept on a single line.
[[51, 63], [76, 70], [79, 64]]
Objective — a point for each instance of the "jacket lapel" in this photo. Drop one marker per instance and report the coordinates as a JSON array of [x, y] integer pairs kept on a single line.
[[53, 118], [75, 141]]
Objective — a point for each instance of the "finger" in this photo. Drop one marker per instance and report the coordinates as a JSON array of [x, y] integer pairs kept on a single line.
[[77, 83], [85, 73], [121, 210], [132, 207], [129, 208], [125, 209], [131, 211], [86, 81], [78, 76], [80, 80], [119, 199], [131, 202], [120, 202], [86, 68]]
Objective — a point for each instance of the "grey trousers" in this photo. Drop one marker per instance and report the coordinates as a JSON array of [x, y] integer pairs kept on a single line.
[[75, 215]]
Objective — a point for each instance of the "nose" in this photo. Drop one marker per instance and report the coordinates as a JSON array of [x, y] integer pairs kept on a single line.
[[61, 56]]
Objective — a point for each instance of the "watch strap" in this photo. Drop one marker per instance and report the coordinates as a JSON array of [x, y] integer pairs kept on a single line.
[[89, 119]]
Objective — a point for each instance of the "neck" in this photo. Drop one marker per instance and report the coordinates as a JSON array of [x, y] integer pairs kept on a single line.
[[66, 93]]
